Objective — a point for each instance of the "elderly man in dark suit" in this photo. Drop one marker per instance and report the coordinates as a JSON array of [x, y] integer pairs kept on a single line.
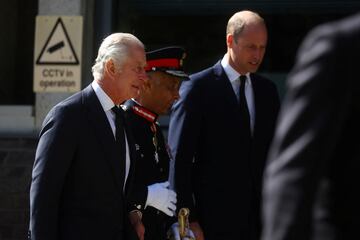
[[220, 130], [85, 154], [310, 189]]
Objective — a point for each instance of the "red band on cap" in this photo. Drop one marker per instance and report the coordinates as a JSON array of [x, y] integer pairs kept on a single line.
[[165, 62]]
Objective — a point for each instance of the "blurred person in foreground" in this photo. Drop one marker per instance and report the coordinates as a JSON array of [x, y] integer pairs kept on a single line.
[[310, 184], [219, 134], [84, 159]]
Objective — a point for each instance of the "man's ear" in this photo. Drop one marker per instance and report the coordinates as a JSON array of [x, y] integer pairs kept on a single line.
[[229, 40], [110, 67]]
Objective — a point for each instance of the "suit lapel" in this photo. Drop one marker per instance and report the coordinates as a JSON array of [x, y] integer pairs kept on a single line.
[[224, 86], [102, 128]]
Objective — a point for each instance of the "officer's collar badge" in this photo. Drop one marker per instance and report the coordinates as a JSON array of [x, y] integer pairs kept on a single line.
[[144, 113]]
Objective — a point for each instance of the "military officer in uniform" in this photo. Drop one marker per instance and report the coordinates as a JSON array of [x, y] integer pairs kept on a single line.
[[152, 202]]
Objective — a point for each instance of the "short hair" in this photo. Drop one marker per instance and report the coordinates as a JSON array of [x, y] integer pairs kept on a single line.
[[239, 20], [116, 47]]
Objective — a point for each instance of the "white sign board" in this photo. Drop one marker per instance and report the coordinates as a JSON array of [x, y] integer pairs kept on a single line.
[[57, 56]]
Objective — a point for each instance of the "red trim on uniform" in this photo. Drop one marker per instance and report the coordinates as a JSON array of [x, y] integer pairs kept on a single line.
[[143, 112], [165, 62]]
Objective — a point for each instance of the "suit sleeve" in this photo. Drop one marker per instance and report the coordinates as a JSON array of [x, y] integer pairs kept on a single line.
[[54, 153], [136, 197], [310, 119], [184, 132]]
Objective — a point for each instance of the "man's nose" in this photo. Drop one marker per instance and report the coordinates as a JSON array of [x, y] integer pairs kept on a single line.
[[143, 76], [258, 53]]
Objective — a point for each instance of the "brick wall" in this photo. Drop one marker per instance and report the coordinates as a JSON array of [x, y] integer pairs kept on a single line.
[[16, 159]]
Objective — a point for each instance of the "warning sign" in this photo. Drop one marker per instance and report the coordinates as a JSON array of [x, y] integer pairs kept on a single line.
[[58, 42]]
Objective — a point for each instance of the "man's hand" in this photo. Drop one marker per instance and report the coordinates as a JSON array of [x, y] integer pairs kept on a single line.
[[174, 234], [162, 198], [197, 230], [135, 220]]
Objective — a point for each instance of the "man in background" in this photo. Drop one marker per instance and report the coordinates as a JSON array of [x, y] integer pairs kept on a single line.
[[151, 200]]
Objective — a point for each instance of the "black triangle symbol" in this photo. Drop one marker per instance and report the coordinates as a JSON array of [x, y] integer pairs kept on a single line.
[[56, 47]]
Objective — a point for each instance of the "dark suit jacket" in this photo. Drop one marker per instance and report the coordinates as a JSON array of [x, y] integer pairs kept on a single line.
[[210, 163], [147, 170], [311, 186], [77, 182]]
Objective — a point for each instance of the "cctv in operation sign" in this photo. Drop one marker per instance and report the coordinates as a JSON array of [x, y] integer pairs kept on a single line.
[[57, 56]]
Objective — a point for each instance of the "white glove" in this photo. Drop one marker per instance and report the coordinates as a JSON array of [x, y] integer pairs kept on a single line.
[[162, 198], [174, 234]]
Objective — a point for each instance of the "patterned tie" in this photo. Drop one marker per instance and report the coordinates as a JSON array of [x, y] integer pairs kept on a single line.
[[120, 137], [244, 110]]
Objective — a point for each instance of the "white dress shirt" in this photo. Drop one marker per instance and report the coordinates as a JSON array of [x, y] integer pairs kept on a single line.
[[107, 105], [233, 76]]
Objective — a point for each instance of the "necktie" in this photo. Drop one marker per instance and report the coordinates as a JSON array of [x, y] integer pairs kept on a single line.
[[120, 137], [244, 110]]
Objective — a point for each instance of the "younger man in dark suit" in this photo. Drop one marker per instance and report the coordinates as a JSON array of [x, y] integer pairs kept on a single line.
[[152, 201], [219, 134]]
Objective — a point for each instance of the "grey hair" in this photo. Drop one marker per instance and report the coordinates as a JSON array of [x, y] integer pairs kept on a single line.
[[116, 47], [239, 20]]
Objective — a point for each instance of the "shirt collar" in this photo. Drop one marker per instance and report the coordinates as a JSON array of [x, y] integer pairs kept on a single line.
[[104, 99], [230, 72]]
